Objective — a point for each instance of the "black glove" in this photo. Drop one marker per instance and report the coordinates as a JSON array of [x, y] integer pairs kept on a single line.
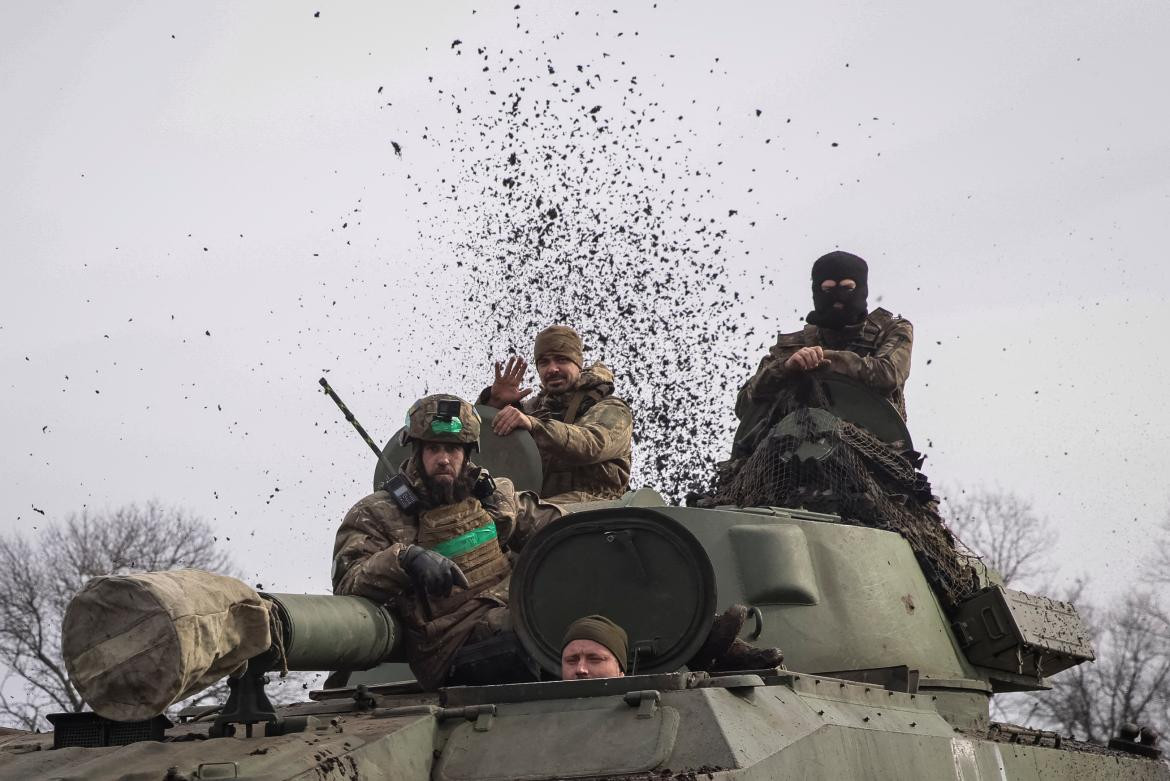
[[431, 572]]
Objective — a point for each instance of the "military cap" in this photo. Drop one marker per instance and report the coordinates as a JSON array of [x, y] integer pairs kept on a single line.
[[601, 630], [560, 340]]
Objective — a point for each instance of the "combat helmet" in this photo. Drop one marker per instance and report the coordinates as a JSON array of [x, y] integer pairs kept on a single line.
[[442, 418]]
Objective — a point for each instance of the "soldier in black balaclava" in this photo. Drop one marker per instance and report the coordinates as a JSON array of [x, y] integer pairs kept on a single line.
[[839, 287], [842, 336]]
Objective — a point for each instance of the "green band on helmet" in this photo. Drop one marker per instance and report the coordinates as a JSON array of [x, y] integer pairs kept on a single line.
[[467, 542], [452, 426]]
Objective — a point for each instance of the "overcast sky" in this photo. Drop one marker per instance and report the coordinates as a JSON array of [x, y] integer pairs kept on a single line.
[[203, 212]]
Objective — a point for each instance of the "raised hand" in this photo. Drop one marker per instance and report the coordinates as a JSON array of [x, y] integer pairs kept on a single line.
[[506, 388]]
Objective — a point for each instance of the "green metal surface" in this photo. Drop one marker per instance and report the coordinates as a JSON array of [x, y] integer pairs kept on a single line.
[[1020, 633], [853, 401], [836, 597], [739, 727], [331, 632], [595, 737], [636, 566]]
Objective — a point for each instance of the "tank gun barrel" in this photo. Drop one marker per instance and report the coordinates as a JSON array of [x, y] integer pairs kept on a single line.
[[136, 643], [324, 632]]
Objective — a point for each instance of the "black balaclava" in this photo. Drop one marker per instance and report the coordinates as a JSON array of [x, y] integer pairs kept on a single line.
[[837, 266]]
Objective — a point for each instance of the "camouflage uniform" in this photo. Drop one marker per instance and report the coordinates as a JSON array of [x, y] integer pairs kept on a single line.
[[376, 531], [584, 438], [380, 544], [875, 351]]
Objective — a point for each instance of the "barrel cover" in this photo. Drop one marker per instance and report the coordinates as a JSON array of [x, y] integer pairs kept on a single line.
[[514, 456], [636, 566], [134, 644]]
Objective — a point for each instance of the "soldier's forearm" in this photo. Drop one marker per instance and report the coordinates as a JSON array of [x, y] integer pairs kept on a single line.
[[768, 381], [532, 515], [882, 373], [378, 577], [567, 443]]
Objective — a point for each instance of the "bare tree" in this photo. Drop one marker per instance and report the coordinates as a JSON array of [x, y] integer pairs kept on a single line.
[[37, 580], [1156, 564], [1003, 529], [1130, 681]]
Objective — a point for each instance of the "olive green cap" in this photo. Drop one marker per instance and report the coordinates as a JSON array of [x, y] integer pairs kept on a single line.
[[560, 340], [601, 630], [442, 418]]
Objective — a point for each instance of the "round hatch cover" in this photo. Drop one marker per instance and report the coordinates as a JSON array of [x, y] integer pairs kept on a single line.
[[636, 566], [852, 401], [514, 456]]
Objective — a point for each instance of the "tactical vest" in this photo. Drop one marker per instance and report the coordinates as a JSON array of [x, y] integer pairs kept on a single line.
[[606, 480], [579, 403], [466, 534], [864, 339], [584, 482], [865, 342]]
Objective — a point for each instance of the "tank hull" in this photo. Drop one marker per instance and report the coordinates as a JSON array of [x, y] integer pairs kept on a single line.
[[683, 725]]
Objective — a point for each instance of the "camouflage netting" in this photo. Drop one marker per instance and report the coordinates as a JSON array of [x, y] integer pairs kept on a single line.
[[815, 460]]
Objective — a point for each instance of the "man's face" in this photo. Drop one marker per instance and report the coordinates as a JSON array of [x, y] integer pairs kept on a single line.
[[442, 461], [557, 373], [582, 659]]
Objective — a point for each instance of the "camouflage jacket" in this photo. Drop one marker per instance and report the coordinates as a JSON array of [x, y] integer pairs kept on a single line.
[[876, 352], [584, 438], [365, 563]]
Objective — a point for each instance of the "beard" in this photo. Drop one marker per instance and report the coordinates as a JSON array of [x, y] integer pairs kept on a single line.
[[560, 380], [448, 491]]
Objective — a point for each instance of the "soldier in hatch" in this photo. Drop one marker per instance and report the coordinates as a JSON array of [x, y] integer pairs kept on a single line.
[[433, 544], [582, 430], [842, 336], [594, 647]]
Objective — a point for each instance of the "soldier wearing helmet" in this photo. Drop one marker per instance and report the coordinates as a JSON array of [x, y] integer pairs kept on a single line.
[[582, 430], [433, 544]]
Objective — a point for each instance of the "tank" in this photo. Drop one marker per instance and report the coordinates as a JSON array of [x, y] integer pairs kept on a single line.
[[887, 674]]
